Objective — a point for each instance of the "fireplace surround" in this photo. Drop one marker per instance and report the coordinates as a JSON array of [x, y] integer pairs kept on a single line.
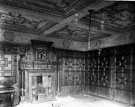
[[38, 68]]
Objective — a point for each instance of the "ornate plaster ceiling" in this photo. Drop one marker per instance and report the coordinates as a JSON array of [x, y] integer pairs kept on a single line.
[[72, 33], [59, 8], [76, 33], [55, 18], [119, 16], [16, 22], [52, 11]]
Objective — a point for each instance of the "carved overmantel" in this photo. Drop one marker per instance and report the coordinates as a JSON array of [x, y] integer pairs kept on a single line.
[[39, 55], [39, 60]]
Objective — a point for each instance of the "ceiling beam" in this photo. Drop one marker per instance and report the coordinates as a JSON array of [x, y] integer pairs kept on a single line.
[[95, 6]]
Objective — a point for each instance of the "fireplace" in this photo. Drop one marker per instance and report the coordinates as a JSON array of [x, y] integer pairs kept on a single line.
[[40, 85], [38, 68]]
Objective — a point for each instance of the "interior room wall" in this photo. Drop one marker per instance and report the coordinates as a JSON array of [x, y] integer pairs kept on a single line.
[[72, 73], [25, 38], [110, 74]]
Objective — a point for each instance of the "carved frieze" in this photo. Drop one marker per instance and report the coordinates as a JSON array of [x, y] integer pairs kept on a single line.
[[38, 65], [26, 65], [17, 19], [8, 48], [45, 65]]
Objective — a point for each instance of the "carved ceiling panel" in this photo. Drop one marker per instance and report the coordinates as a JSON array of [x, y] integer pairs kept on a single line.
[[76, 33], [17, 22], [17, 19], [114, 16], [71, 33], [120, 15], [59, 8]]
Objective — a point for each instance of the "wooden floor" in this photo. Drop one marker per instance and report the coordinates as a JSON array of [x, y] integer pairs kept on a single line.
[[76, 101]]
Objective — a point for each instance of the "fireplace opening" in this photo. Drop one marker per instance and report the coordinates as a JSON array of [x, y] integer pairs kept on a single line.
[[42, 87]]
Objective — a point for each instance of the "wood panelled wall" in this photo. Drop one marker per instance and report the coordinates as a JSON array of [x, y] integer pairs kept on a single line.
[[111, 74], [98, 73], [8, 64], [72, 74]]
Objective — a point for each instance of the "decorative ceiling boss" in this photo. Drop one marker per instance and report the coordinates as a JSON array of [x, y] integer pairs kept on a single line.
[[9, 35]]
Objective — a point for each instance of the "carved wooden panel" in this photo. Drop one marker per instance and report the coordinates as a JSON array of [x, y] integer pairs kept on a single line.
[[123, 72], [41, 49], [111, 74], [69, 78], [80, 64], [91, 75], [73, 72], [8, 48], [93, 71], [41, 54], [104, 79], [8, 69], [104, 71], [133, 75], [7, 64], [86, 71]]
